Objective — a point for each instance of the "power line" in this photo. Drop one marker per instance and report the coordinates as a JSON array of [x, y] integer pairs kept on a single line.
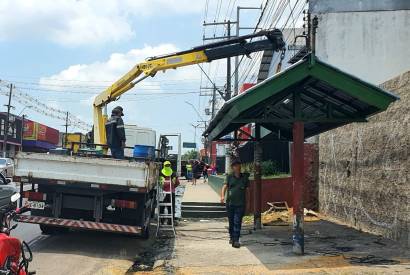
[[39, 107], [256, 28], [249, 72], [154, 91], [66, 81]]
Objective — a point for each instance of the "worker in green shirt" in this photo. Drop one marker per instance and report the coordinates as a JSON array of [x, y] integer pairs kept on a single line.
[[236, 184]]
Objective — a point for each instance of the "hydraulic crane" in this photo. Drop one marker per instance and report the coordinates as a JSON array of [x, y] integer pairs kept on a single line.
[[242, 45]]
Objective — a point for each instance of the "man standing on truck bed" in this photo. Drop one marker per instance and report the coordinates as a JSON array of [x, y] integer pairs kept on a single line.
[[114, 127]]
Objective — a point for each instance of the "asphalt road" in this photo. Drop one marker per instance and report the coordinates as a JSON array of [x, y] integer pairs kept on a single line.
[[81, 252]]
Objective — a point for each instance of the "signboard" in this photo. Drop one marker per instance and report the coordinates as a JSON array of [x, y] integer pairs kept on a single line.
[[220, 150], [189, 145], [41, 132]]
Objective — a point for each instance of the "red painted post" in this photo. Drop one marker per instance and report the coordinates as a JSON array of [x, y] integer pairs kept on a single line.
[[298, 182]]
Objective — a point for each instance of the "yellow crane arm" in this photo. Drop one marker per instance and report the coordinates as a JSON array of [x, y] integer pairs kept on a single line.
[[125, 83], [205, 53]]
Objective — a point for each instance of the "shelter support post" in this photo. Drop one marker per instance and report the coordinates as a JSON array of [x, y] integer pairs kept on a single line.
[[257, 194], [298, 182]]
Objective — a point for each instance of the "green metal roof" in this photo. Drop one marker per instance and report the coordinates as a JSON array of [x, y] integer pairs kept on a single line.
[[313, 91]]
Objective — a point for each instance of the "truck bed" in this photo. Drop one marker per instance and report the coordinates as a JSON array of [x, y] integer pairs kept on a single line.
[[86, 169]]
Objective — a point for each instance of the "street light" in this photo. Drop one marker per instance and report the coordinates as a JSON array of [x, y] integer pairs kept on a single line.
[[193, 107], [195, 127]]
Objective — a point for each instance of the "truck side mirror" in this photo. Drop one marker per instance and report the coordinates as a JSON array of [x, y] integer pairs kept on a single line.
[[15, 197]]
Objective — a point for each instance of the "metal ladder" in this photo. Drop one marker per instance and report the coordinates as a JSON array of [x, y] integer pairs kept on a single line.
[[167, 205]]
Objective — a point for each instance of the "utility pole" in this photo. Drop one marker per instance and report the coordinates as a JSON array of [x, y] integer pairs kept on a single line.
[[238, 28], [22, 131], [66, 130], [228, 66], [6, 124], [213, 102], [228, 25], [228, 93], [215, 89]]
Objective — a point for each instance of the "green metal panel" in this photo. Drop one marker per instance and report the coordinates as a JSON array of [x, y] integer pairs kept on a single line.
[[368, 93]]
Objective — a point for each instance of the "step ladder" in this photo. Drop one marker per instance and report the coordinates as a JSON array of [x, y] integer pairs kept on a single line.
[[162, 218]]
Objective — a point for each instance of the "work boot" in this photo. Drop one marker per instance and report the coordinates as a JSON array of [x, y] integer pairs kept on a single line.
[[236, 244], [230, 241]]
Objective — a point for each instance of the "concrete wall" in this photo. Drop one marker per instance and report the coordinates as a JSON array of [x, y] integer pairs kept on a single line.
[[365, 169], [373, 45]]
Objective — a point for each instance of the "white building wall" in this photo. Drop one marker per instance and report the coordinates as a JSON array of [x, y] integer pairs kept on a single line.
[[372, 45]]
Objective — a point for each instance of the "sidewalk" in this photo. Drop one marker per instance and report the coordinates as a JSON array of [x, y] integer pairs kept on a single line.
[[202, 248], [201, 192]]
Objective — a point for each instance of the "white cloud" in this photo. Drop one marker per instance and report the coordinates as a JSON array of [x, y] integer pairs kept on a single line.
[[81, 22], [139, 108], [103, 72]]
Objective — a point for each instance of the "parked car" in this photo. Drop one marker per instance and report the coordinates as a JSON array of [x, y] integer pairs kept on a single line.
[[6, 191], [7, 167]]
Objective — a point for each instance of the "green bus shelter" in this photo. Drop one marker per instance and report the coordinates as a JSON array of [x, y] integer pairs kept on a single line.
[[308, 98]]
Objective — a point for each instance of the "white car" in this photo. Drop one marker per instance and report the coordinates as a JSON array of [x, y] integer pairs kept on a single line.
[[7, 167]]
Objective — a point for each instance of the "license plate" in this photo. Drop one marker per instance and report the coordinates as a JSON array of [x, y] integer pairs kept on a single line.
[[36, 204]]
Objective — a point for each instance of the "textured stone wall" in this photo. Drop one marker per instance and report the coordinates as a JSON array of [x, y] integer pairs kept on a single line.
[[365, 167]]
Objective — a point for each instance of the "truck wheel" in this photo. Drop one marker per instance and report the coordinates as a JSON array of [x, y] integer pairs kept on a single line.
[[51, 230], [152, 212], [47, 230]]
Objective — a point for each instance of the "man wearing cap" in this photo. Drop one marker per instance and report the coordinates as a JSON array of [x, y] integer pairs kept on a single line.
[[236, 184], [169, 181], [114, 128]]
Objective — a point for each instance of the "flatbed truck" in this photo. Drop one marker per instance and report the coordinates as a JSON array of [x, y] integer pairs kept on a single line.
[[90, 193]]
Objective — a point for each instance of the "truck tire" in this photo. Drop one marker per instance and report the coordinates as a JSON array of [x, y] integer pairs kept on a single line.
[[145, 233], [51, 230], [152, 210], [3, 180], [47, 230]]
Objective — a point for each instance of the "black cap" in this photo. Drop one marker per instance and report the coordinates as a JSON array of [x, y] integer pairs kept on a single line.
[[118, 110], [235, 162]]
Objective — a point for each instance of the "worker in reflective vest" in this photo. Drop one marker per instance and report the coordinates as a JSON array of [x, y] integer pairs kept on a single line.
[[189, 171], [169, 181]]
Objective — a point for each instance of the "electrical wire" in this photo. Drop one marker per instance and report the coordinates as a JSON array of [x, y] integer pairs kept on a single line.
[[249, 75], [39, 107], [256, 28], [154, 91]]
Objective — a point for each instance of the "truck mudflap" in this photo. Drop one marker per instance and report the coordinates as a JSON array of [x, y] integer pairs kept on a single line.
[[86, 225]]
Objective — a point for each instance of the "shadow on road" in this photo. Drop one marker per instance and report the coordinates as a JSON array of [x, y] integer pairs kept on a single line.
[[141, 253]]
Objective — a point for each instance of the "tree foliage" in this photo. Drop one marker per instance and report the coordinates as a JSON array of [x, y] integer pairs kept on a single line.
[[191, 154]]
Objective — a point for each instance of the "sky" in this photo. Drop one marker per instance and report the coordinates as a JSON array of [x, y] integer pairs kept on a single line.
[[60, 53]]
